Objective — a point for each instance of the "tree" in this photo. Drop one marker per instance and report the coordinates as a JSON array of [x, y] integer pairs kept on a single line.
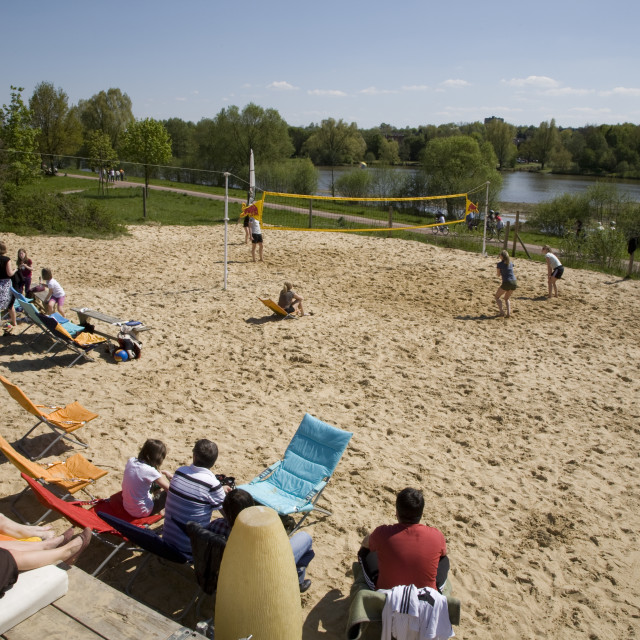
[[60, 131], [458, 164], [107, 111], [335, 143], [102, 157], [19, 157], [544, 142], [183, 145], [501, 135], [147, 142]]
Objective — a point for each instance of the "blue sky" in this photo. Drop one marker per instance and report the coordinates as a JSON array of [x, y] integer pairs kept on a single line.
[[405, 63]]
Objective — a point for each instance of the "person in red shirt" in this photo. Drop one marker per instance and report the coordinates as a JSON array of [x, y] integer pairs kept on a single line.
[[407, 552]]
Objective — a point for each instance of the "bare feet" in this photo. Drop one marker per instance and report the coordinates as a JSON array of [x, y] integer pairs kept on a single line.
[[45, 532]]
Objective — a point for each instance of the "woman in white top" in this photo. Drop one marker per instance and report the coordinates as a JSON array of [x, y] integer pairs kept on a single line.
[[139, 496], [554, 270], [55, 295]]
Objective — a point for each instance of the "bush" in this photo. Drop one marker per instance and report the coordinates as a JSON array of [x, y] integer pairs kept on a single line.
[[556, 216], [291, 176], [354, 184], [56, 214]]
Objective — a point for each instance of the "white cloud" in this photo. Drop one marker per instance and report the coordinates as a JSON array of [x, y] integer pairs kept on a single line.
[[455, 84], [537, 82], [326, 92], [568, 91], [622, 91], [415, 87], [181, 99], [281, 85], [373, 91], [590, 111]]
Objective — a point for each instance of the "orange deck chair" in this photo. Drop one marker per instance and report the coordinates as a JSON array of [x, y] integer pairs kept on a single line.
[[277, 309], [74, 474], [61, 420]]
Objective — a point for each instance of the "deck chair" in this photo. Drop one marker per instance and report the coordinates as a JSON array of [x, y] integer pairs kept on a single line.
[[277, 309], [18, 298], [80, 343], [294, 484], [76, 473], [85, 514], [152, 545], [61, 420]]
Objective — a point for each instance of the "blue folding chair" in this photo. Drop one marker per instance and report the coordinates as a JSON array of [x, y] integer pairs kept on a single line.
[[294, 484]]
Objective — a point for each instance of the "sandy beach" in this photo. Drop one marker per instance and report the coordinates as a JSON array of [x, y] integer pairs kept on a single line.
[[522, 432]]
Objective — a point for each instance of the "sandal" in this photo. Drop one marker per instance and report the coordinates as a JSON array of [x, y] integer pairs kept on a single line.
[[86, 539]]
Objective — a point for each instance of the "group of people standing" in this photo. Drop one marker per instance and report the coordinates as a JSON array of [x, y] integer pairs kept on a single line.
[[510, 284], [20, 278]]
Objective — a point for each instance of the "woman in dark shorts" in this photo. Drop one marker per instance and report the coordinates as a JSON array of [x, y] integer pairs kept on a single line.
[[509, 283], [554, 270]]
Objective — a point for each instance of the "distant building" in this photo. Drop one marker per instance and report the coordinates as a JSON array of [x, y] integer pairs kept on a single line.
[[493, 119]]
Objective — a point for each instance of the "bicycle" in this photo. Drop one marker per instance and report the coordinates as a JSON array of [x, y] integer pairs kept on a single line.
[[440, 229]]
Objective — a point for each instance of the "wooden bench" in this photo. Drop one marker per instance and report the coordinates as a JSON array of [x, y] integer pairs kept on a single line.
[[93, 610], [85, 315]]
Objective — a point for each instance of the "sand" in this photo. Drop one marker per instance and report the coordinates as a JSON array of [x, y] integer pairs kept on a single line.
[[521, 432]]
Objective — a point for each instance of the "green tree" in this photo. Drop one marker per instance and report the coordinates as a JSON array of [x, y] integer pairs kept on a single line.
[[60, 131], [19, 156], [146, 142], [183, 146], [102, 157], [225, 143], [335, 143], [458, 164], [501, 135], [388, 152], [544, 142], [107, 111]]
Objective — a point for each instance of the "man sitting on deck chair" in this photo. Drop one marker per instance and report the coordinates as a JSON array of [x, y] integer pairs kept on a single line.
[[194, 493], [407, 552], [237, 500]]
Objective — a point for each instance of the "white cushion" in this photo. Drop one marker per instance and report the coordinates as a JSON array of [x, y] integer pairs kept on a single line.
[[34, 590]]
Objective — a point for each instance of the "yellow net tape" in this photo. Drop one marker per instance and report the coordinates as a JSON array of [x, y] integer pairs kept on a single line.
[[258, 207]]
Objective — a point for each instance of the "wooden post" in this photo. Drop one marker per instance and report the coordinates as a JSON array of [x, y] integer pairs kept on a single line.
[[515, 234], [523, 246], [144, 202], [310, 214], [389, 234], [630, 264], [506, 235]]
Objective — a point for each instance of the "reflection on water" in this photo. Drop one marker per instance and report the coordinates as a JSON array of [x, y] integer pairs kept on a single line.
[[517, 186]]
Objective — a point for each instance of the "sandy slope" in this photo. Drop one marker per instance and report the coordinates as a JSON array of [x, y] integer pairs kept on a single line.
[[523, 432]]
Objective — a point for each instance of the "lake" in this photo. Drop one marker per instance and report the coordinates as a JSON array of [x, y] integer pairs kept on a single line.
[[517, 186]]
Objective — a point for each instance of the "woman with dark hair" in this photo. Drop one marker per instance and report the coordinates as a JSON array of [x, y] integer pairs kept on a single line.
[[144, 486], [6, 297], [509, 283]]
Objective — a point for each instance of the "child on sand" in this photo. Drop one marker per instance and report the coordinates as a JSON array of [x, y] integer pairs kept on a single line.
[[554, 270], [256, 237], [509, 283], [290, 301], [25, 266], [56, 295], [140, 474]]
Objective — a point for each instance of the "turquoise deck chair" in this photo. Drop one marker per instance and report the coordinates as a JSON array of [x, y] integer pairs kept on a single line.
[[294, 484]]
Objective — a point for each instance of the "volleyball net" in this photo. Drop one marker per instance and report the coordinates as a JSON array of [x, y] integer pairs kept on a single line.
[[296, 212]]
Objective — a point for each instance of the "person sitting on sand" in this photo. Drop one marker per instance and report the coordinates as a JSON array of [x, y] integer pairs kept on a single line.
[[554, 270], [237, 500], [23, 555], [194, 493], [290, 301], [406, 552]]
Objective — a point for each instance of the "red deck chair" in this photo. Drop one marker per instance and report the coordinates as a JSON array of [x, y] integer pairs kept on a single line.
[[87, 516]]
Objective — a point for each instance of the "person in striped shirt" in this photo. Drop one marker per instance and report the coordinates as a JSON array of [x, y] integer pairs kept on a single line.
[[194, 494]]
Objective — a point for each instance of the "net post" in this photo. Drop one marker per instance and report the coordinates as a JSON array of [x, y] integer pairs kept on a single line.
[[226, 224], [515, 234], [389, 234], [310, 213]]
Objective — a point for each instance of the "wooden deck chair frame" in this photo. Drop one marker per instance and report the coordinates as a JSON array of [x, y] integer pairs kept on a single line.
[[61, 420], [84, 514], [277, 309], [75, 474]]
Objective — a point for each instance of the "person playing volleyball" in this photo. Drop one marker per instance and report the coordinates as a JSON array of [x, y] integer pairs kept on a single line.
[[554, 270], [509, 283]]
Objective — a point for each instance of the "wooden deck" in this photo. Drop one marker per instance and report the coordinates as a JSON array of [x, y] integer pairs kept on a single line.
[[92, 609]]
